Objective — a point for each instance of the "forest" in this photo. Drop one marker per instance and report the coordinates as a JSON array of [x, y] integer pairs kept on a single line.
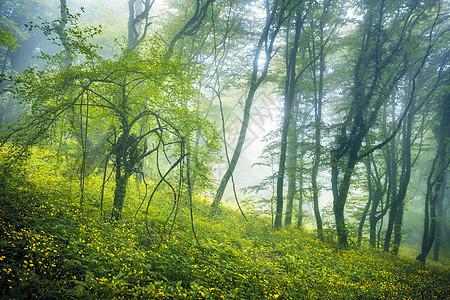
[[224, 149]]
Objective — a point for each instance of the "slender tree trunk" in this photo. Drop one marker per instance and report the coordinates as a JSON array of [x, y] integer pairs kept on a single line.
[[378, 210], [392, 173], [318, 101], [300, 194], [289, 95], [436, 180], [376, 194], [374, 218], [266, 42], [301, 171], [368, 204], [137, 14], [62, 36], [292, 161], [396, 218], [237, 151], [440, 220]]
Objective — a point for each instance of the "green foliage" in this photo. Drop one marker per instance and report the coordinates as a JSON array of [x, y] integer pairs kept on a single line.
[[131, 110], [7, 40], [50, 251]]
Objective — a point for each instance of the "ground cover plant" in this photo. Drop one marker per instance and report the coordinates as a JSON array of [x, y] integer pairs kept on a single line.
[[49, 249]]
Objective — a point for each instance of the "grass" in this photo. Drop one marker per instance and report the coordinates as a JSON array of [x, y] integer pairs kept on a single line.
[[49, 250]]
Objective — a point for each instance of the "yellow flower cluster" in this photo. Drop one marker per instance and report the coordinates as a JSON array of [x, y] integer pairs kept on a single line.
[[49, 249]]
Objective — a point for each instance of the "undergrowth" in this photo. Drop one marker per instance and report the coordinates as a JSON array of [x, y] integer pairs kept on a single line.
[[49, 249]]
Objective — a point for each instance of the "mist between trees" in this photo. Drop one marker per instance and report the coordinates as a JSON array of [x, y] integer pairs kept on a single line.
[[331, 116]]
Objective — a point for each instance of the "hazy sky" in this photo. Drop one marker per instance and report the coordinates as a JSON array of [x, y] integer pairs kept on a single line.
[[111, 5]]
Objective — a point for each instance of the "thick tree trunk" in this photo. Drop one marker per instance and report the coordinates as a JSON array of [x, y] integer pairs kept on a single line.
[[340, 188], [127, 156], [398, 228], [341, 230], [119, 196]]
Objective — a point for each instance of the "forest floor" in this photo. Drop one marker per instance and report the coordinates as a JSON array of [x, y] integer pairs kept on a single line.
[[50, 250]]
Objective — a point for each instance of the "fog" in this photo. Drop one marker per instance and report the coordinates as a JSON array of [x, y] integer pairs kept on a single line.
[[229, 58]]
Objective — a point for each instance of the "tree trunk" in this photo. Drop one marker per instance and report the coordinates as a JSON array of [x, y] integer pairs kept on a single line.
[[289, 95], [292, 157], [367, 207], [137, 14], [436, 180], [62, 36], [442, 208], [440, 220], [340, 188], [396, 218], [237, 151], [119, 195], [127, 156], [318, 101], [376, 193], [300, 195], [266, 42]]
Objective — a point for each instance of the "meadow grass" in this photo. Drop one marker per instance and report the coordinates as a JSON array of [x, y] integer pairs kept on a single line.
[[49, 249]]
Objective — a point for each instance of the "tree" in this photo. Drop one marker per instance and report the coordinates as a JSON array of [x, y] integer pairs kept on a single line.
[[398, 193], [296, 66], [139, 99], [436, 181], [318, 83], [292, 158], [17, 46], [275, 17], [289, 95], [138, 13], [378, 68], [192, 26]]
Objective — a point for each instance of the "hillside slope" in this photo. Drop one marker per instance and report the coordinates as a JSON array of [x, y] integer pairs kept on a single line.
[[49, 250]]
